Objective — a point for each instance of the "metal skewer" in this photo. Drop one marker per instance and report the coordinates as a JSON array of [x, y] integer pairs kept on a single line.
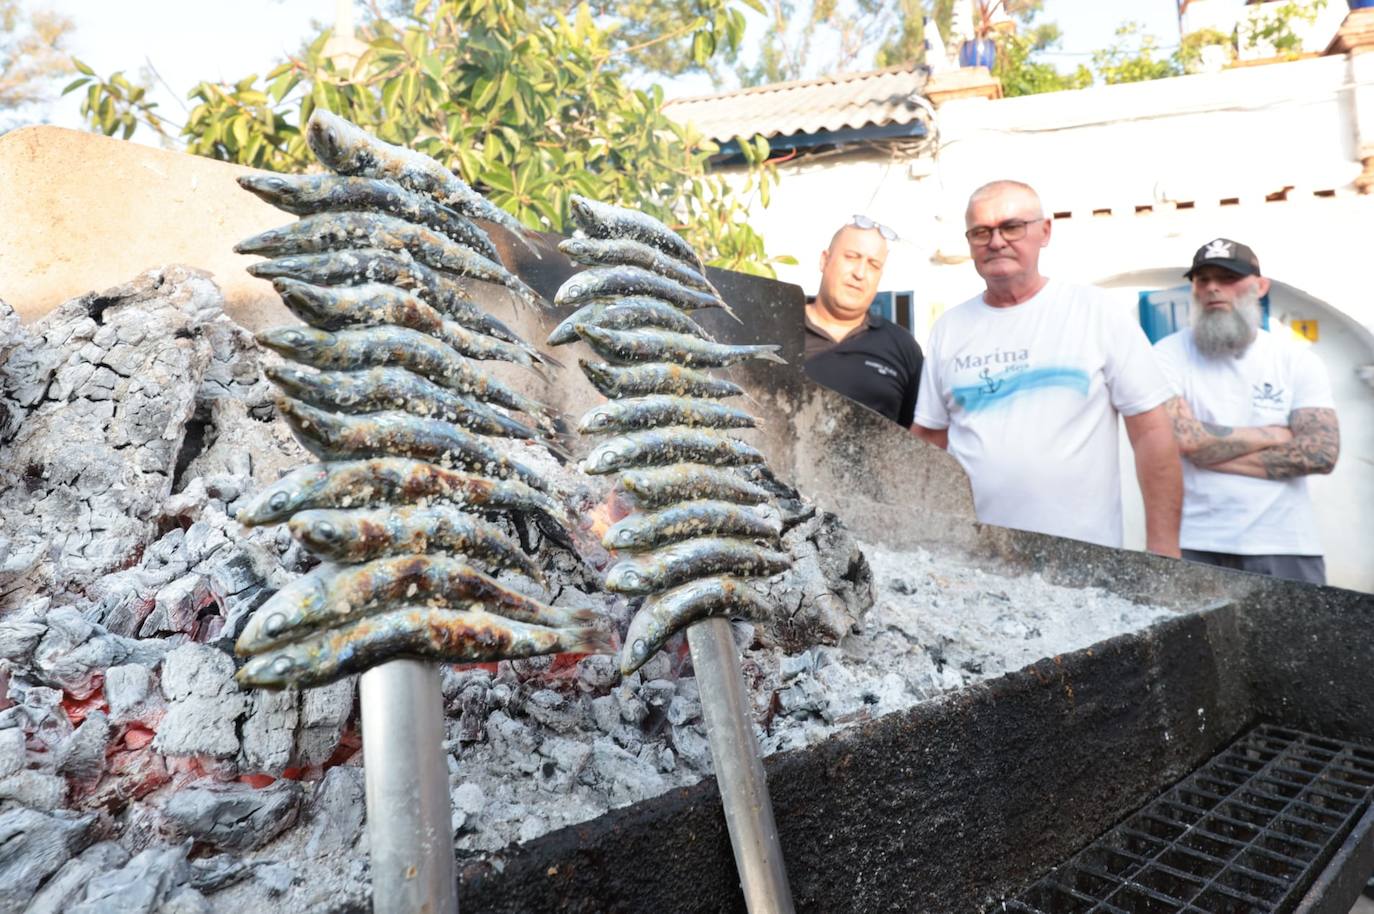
[[409, 813], [739, 770]]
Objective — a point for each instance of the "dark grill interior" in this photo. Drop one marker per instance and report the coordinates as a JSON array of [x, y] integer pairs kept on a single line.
[[1246, 833]]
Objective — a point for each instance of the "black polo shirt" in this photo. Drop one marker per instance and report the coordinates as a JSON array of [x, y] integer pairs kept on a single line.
[[878, 364]]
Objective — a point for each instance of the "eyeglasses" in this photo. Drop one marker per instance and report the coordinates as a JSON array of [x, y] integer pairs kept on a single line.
[[858, 220], [1011, 230]]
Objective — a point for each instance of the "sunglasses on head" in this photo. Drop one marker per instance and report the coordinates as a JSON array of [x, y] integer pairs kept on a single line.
[[861, 221]]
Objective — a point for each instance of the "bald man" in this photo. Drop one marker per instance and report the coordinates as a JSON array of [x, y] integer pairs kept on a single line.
[[867, 358], [1024, 383]]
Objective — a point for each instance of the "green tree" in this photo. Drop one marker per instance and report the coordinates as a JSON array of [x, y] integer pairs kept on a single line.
[[526, 110], [1274, 26], [1133, 58], [1017, 67], [31, 54]]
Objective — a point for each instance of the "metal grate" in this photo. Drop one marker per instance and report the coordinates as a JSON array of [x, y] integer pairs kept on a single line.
[[1247, 833]]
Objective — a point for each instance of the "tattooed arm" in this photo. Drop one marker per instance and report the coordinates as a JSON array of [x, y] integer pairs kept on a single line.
[[1207, 444], [1315, 446]]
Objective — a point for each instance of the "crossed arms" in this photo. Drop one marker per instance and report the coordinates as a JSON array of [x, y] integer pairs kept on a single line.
[[1309, 445]]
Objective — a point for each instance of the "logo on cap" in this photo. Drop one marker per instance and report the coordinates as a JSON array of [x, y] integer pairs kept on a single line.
[[1221, 248]]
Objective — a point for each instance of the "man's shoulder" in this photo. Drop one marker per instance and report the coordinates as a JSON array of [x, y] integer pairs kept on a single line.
[[1176, 343]]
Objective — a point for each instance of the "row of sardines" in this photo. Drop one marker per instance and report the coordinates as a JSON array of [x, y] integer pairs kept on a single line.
[[700, 529], [384, 384]]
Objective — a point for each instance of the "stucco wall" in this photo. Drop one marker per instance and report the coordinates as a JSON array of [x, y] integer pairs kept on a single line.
[[1140, 176], [83, 212]]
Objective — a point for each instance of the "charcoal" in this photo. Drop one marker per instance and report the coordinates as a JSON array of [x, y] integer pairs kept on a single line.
[[623, 777], [683, 709], [131, 690], [203, 704], [35, 789], [74, 650], [68, 885], [234, 817], [469, 798], [93, 476], [269, 732], [177, 605], [597, 672], [656, 693], [36, 845], [18, 638], [140, 886], [12, 751], [185, 900], [275, 878], [81, 756], [210, 874], [324, 713], [532, 827], [40, 716], [691, 746], [513, 741], [552, 710], [336, 811]]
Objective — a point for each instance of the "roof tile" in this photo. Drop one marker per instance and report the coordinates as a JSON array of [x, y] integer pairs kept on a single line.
[[847, 100]]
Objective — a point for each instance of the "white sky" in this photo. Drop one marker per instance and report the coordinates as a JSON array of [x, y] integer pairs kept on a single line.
[[193, 40], [187, 41]]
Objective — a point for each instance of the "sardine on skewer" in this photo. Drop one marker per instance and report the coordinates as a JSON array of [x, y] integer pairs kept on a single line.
[[382, 389], [350, 150], [337, 436], [305, 195], [664, 614], [657, 410], [604, 282], [656, 378], [331, 595], [687, 520], [629, 312], [326, 232], [670, 566], [397, 480], [674, 444], [429, 633], [652, 345], [361, 534]]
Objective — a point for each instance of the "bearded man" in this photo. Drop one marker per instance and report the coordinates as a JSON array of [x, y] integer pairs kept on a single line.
[[1254, 420]]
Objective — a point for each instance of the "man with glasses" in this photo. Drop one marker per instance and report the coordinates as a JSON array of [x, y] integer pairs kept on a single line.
[[867, 358], [1024, 383], [1255, 419]]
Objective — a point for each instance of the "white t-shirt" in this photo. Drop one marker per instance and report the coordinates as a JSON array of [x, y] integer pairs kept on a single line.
[[1240, 515], [1030, 395]]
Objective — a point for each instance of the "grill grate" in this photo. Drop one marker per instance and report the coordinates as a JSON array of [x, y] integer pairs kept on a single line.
[[1246, 833]]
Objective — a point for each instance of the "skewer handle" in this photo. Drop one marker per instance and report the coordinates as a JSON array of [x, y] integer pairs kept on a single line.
[[409, 813], [739, 770]]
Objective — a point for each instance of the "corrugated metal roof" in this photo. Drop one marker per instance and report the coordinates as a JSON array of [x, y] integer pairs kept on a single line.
[[849, 100]]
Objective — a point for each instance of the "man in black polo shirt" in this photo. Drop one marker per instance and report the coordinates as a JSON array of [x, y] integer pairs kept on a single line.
[[867, 358]]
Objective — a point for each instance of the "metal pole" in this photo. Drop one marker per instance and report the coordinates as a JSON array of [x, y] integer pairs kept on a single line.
[[409, 813], [739, 770]]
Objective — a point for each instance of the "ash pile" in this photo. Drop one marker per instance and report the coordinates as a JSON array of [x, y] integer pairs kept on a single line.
[[137, 776]]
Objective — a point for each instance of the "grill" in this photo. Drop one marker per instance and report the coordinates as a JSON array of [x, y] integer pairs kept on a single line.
[[1247, 832]]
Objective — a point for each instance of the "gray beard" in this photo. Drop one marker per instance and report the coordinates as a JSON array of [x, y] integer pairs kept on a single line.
[[1231, 332]]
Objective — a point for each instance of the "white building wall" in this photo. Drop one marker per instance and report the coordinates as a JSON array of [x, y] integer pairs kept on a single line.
[[1138, 176]]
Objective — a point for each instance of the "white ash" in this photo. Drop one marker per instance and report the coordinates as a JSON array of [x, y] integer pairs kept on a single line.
[[136, 775]]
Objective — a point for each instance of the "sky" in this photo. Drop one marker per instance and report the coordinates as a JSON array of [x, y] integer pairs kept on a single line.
[[192, 41]]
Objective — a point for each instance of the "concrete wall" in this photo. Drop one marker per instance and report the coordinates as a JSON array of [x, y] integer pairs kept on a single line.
[[83, 212]]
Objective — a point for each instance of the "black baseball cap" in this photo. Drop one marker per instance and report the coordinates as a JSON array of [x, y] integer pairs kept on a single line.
[[1227, 254]]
